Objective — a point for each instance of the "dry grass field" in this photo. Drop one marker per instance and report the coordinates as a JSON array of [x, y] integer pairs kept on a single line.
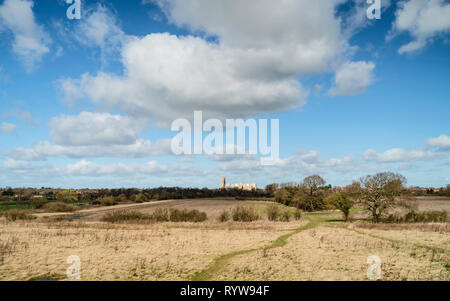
[[317, 247]]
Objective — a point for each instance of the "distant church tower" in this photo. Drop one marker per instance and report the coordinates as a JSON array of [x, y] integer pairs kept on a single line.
[[223, 183]]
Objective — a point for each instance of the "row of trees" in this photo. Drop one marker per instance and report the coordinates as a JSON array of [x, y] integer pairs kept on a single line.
[[376, 193], [27, 195]]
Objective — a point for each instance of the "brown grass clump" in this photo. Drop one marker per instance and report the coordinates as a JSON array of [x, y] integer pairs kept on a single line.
[[58, 207], [273, 212], [285, 215], [224, 216]]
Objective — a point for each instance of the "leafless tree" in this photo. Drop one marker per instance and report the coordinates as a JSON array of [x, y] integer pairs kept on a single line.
[[379, 192]]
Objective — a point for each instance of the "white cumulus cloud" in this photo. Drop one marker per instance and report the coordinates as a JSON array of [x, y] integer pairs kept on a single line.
[[352, 78], [30, 40], [400, 155], [251, 66], [95, 129], [442, 142], [424, 20]]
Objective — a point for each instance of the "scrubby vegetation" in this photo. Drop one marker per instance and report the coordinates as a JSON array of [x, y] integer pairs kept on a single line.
[[418, 217], [187, 216], [58, 207], [125, 216], [13, 215], [159, 215], [245, 214]]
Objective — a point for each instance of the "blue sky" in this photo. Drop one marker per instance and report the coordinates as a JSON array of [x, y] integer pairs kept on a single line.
[[89, 102]]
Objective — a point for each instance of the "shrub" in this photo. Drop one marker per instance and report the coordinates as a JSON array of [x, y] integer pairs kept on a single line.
[[58, 207], [160, 215], [124, 216], [187, 216], [38, 203], [107, 201], [13, 215], [297, 214], [245, 214], [273, 212], [140, 198], [224, 216], [285, 215], [342, 202], [419, 217]]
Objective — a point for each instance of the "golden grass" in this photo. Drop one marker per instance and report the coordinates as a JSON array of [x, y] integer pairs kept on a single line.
[[126, 252], [336, 254], [177, 251]]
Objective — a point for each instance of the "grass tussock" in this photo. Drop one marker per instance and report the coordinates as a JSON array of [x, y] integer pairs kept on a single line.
[[58, 207], [13, 215], [224, 216]]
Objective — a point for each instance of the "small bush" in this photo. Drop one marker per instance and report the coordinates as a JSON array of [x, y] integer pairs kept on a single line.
[[224, 216], [160, 215], [285, 215], [13, 215], [140, 198], [245, 214], [58, 207], [273, 212], [124, 216], [297, 214], [107, 201]]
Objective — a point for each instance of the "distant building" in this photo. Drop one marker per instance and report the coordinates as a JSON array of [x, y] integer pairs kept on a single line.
[[223, 183], [241, 186]]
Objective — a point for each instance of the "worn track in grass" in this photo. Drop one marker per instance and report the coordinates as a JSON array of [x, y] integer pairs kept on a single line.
[[220, 262]]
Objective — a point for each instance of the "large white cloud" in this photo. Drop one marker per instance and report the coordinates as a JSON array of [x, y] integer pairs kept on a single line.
[[352, 78], [169, 77], [254, 65], [400, 155], [141, 148], [30, 40], [423, 20], [442, 142], [95, 129]]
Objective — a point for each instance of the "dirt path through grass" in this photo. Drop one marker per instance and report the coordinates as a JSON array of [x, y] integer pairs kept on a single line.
[[220, 262]]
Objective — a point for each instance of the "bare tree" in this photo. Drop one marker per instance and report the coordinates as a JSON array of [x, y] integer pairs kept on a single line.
[[312, 183], [379, 191], [311, 194]]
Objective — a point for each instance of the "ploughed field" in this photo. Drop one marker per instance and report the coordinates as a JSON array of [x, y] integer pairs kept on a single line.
[[319, 246]]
